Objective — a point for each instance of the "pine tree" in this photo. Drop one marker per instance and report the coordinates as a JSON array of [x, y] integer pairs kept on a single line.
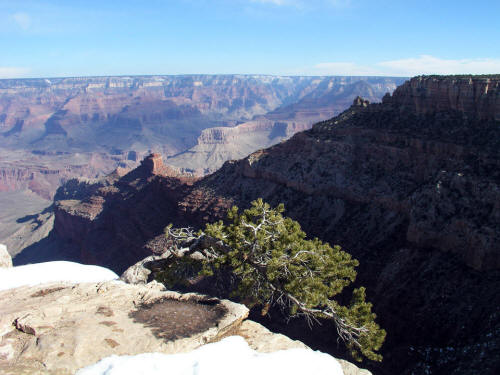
[[276, 265]]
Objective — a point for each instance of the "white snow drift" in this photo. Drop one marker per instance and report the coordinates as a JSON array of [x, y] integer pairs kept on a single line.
[[41, 273], [230, 356]]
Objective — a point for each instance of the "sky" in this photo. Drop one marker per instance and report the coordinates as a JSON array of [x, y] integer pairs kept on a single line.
[[58, 38]]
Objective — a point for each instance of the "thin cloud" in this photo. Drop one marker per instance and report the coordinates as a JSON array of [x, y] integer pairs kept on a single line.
[[305, 3], [275, 2], [424, 64], [13, 72], [23, 20]]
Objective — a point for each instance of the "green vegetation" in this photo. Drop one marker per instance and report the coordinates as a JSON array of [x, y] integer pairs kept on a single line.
[[276, 265]]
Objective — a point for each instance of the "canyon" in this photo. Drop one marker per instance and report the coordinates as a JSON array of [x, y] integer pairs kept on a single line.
[[52, 130], [409, 186]]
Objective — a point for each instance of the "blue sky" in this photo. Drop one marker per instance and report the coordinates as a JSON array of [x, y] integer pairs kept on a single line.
[[49, 38]]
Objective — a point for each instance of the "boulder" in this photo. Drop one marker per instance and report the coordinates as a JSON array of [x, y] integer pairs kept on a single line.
[[5, 259], [58, 328], [143, 271]]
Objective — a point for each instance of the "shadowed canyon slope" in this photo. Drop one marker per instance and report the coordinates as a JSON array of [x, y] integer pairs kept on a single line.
[[410, 187]]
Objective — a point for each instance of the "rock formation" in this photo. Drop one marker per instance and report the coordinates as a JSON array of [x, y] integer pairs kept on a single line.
[[55, 129], [474, 97], [88, 216], [262, 340], [413, 193], [409, 186], [329, 98], [59, 328]]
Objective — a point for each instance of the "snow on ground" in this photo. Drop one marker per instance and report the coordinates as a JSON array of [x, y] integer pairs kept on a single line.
[[41, 273], [230, 356]]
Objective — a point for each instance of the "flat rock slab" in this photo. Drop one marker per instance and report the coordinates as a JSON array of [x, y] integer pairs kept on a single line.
[[58, 328]]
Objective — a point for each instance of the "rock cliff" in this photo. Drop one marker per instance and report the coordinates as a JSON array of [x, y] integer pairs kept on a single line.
[[330, 97], [96, 222], [411, 190], [56, 129], [409, 186], [473, 96]]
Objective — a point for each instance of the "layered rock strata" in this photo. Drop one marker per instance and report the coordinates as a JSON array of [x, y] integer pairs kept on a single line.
[[90, 216], [81, 127], [410, 187]]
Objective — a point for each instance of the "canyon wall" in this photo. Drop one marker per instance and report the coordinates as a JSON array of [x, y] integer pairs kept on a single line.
[[474, 97], [55, 129], [409, 186]]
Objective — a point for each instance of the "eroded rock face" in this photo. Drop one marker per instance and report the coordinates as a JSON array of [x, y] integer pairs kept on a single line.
[[410, 188], [124, 213], [43, 172], [474, 96], [412, 193], [331, 96], [59, 328]]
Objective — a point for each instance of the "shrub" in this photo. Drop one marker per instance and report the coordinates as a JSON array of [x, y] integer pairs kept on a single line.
[[276, 265]]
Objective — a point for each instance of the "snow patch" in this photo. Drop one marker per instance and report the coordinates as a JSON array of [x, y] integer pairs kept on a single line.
[[41, 273], [230, 356]]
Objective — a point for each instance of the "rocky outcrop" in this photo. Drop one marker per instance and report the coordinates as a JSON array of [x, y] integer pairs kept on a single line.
[[144, 271], [262, 340], [97, 221], [473, 96], [154, 165], [59, 328], [5, 259]]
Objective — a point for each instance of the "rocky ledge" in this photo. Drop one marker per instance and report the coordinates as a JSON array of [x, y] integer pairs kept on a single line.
[[58, 328]]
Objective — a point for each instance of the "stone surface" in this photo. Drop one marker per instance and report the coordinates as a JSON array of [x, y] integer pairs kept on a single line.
[[5, 259], [262, 340], [259, 338], [58, 328], [351, 369], [143, 271]]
